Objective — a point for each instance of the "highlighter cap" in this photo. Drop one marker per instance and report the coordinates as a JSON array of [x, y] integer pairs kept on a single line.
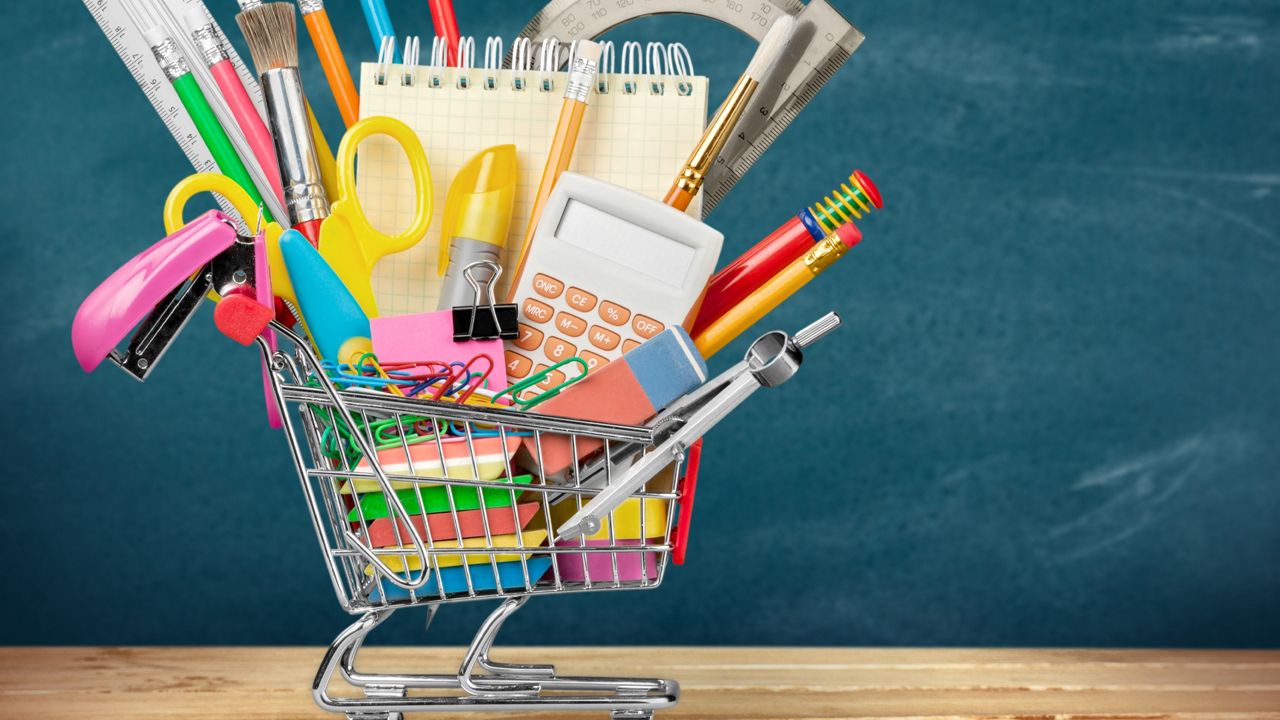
[[480, 200]]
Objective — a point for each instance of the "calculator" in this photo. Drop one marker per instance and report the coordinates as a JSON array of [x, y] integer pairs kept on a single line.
[[607, 268]]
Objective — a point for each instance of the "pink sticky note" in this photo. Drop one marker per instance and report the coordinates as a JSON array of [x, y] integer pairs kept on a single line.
[[420, 337]]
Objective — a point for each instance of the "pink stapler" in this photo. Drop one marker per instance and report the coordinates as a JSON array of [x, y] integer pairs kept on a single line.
[[159, 290]]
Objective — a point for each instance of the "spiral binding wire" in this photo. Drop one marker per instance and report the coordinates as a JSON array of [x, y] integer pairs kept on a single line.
[[661, 63]]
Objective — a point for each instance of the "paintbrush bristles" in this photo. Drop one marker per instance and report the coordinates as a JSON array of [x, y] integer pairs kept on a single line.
[[271, 31], [770, 47]]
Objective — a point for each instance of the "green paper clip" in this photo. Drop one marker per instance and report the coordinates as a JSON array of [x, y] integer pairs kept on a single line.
[[538, 377]]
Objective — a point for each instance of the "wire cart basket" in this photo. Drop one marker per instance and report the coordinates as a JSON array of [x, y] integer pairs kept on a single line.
[[419, 502]]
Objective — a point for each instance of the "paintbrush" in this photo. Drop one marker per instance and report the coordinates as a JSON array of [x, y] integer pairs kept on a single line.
[[271, 32], [694, 172]]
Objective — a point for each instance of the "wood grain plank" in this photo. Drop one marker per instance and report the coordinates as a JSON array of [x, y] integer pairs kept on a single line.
[[750, 683]]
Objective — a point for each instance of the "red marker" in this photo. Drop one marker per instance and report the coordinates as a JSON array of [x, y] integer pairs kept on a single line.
[[796, 237], [446, 25]]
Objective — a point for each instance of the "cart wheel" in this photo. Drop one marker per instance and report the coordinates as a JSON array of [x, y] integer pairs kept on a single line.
[[631, 715]]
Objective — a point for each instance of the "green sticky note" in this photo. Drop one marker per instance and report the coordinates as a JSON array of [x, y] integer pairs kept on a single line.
[[374, 505]]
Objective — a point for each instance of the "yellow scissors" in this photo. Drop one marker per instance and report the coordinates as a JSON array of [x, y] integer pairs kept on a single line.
[[350, 244]]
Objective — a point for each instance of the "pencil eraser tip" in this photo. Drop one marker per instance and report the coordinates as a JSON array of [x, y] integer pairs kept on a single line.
[[589, 50], [154, 35], [240, 318], [194, 17], [849, 234]]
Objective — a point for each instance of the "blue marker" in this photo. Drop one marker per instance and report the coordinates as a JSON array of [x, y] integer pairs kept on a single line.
[[375, 13]]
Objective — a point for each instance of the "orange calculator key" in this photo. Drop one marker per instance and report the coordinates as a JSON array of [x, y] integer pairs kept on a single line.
[[593, 360], [646, 327], [603, 338], [547, 286], [613, 313], [580, 299], [629, 345], [557, 349], [529, 338], [553, 378], [517, 364], [570, 325], [537, 311]]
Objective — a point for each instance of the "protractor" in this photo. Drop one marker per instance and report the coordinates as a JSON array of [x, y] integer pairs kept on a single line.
[[822, 42]]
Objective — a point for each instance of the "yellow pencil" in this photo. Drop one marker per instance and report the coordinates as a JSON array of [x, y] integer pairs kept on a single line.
[[577, 91], [780, 287]]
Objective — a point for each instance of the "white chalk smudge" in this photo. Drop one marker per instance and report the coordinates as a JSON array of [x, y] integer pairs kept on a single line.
[[1211, 208], [1139, 488], [1223, 33]]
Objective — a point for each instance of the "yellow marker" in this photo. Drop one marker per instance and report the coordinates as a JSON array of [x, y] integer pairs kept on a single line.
[[477, 216], [780, 287]]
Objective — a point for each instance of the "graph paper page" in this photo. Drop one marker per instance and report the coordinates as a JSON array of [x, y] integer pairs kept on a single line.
[[638, 140]]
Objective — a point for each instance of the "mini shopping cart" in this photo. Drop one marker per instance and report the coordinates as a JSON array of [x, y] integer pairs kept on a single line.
[[416, 502]]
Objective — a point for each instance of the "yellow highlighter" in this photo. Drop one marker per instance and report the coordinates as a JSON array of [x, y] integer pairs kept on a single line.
[[477, 216]]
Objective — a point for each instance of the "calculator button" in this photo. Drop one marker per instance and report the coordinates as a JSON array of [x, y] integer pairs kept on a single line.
[[529, 338], [629, 345], [570, 325], [547, 286], [646, 327], [557, 349], [553, 378], [580, 299], [613, 313], [603, 338], [536, 311], [517, 365], [593, 360]]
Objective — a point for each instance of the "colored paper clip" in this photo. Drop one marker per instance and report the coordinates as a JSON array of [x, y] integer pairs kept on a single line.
[[500, 322], [515, 390], [461, 380]]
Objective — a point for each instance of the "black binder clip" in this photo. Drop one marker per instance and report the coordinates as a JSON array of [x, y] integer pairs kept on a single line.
[[474, 323]]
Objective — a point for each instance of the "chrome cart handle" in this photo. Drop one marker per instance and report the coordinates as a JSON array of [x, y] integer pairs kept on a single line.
[[770, 361], [394, 504]]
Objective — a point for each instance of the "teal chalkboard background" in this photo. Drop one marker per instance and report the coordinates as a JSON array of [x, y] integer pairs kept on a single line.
[[1051, 418]]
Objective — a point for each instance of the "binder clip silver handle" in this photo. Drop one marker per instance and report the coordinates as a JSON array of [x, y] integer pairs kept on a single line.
[[503, 316]]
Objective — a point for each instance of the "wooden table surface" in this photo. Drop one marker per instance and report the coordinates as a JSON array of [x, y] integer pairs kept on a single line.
[[243, 683]]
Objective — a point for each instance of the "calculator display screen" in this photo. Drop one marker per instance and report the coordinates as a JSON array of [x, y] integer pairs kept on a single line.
[[636, 248]]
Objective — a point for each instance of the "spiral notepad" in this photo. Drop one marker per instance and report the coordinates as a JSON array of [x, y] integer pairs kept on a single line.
[[639, 129]]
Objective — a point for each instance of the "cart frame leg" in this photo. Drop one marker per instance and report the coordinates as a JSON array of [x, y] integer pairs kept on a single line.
[[501, 686]]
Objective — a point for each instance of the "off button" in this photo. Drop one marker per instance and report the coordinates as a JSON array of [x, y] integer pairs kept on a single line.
[[646, 327]]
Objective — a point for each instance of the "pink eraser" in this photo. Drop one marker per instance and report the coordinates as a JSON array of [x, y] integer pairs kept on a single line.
[[849, 234], [627, 391], [422, 337]]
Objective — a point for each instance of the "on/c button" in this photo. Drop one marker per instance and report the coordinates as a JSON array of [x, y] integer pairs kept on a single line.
[[547, 286]]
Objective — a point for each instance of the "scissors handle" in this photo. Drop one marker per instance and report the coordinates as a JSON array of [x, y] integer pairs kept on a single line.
[[377, 243], [193, 185]]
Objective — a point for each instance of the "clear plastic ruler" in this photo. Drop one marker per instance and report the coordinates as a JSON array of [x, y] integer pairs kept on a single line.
[[135, 53], [822, 42]]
